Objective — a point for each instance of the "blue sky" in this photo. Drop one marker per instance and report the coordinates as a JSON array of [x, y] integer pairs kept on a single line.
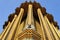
[[8, 6]]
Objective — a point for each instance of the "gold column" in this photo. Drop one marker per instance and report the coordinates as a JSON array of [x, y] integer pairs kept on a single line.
[[4, 30], [52, 29], [30, 15], [19, 27], [29, 20], [56, 30], [6, 33], [11, 33], [44, 24], [51, 34], [43, 31]]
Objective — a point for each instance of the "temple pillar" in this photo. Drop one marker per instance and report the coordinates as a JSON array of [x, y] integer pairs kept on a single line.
[[56, 31], [11, 33], [30, 20], [30, 15], [52, 29], [4, 31], [6, 34], [44, 25]]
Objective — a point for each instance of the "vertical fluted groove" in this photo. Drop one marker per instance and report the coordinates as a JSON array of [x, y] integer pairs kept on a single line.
[[44, 24], [10, 36]]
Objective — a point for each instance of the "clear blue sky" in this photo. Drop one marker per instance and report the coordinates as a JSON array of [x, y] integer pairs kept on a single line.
[[8, 6]]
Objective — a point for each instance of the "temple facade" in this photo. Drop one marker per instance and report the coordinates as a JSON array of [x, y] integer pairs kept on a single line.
[[30, 22]]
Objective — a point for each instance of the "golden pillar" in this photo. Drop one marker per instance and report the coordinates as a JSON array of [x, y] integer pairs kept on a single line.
[[4, 31], [48, 35], [30, 19], [11, 33], [56, 30], [6, 34], [52, 29]]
